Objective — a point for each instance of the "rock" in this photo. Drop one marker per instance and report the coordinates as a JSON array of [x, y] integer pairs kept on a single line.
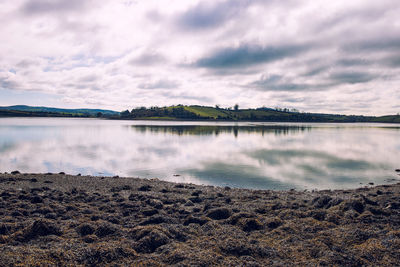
[[322, 201], [149, 212], [33, 180], [36, 199], [235, 247], [252, 224], [85, 229], [5, 229], [41, 228], [195, 199], [357, 205], [318, 214], [197, 193], [15, 172], [219, 213], [51, 216], [397, 170], [114, 219], [61, 173], [190, 219], [157, 219], [90, 238], [126, 187], [145, 188], [5, 195], [274, 223], [189, 203], [105, 229], [95, 218], [151, 240], [155, 203]]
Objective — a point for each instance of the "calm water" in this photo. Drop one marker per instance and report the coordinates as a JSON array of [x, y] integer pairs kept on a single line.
[[251, 155]]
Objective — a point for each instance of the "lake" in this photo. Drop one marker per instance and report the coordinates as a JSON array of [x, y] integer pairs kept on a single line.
[[245, 154]]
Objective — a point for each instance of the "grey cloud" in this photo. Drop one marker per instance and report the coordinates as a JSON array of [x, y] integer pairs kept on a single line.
[[6, 83], [148, 59], [316, 70], [160, 84], [204, 15], [234, 71], [88, 78], [392, 61], [247, 55], [364, 14], [26, 63], [350, 62], [377, 44], [346, 61], [294, 99], [185, 96], [33, 7], [352, 77], [277, 83]]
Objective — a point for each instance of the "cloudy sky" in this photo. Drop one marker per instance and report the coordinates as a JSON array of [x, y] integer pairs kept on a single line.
[[316, 56]]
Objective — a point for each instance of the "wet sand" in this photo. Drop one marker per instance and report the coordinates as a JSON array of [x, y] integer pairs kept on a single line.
[[58, 220]]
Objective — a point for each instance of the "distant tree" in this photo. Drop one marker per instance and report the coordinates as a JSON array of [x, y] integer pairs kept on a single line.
[[217, 106], [99, 114], [236, 107], [125, 114]]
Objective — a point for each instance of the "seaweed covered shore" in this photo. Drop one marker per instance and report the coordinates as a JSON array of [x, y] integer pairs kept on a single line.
[[58, 220]]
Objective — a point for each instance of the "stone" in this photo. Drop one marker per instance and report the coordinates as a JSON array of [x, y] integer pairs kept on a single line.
[[219, 213]]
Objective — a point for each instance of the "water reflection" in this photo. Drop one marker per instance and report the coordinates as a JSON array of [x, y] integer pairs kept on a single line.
[[267, 156], [216, 130]]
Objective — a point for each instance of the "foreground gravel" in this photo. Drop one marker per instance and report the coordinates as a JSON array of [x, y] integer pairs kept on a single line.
[[58, 220]]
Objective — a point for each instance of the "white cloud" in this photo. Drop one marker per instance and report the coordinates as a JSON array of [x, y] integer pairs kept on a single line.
[[329, 56]]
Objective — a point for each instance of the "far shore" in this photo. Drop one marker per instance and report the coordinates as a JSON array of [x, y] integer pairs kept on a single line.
[[60, 219]]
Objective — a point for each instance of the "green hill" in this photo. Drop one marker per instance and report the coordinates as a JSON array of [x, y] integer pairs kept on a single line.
[[90, 112], [181, 112]]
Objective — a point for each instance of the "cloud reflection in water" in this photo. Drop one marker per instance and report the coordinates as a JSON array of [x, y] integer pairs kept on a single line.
[[252, 155]]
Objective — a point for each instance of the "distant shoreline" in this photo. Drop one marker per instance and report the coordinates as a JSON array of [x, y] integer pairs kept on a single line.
[[195, 113], [133, 221], [199, 120]]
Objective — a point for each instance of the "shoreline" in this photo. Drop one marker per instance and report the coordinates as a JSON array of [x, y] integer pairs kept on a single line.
[[58, 219], [204, 120]]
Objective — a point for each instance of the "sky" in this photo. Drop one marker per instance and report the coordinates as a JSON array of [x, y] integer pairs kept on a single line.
[[315, 56]]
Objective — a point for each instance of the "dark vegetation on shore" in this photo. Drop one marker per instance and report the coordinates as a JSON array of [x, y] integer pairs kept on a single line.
[[181, 112], [28, 111], [58, 220]]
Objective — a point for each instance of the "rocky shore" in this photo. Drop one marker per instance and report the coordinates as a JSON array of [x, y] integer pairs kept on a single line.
[[59, 220]]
